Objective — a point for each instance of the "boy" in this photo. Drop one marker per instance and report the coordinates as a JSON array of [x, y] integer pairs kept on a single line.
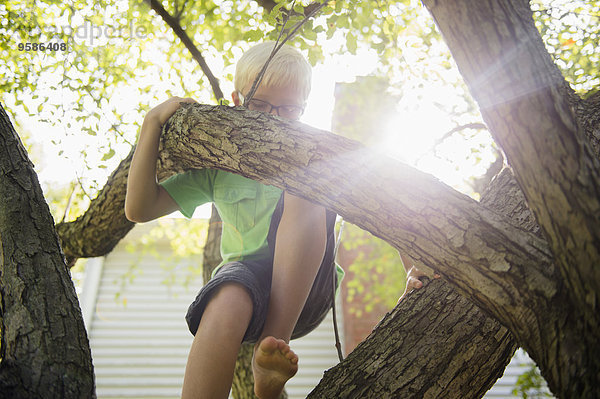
[[275, 281]]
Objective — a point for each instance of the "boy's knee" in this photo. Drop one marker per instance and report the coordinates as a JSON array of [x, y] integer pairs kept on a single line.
[[229, 308], [232, 296]]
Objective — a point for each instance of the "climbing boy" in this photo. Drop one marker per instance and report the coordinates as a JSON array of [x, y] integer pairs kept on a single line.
[[276, 279]]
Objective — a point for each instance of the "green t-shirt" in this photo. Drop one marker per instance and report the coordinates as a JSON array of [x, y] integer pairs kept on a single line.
[[245, 206]]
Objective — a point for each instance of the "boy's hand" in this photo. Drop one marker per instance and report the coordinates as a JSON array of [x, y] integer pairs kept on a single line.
[[413, 282], [161, 113]]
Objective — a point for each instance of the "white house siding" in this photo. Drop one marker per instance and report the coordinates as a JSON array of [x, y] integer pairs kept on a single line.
[[139, 338], [519, 364]]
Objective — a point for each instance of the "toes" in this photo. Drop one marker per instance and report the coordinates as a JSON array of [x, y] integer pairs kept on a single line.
[[282, 346], [269, 345]]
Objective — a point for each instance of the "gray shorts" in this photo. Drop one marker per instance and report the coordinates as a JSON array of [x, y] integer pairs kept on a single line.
[[256, 276]]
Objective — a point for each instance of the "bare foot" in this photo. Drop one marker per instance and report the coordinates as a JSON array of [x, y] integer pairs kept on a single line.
[[273, 364]]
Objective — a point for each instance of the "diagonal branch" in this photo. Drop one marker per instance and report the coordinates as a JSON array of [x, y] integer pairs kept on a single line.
[[413, 211], [189, 44], [434, 344], [479, 251]]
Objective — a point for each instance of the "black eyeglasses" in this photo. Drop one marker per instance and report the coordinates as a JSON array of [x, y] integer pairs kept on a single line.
[[286, 111]]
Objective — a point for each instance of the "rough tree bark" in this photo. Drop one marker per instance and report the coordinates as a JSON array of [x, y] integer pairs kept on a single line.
[[44, 347], [211, 255], [387, 365]]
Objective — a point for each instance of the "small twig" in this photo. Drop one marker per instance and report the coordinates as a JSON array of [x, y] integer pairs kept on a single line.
[[81, 185], [270, 4], [114, 125], [475, 125], [260, 75], [69, 201], [189, 44]]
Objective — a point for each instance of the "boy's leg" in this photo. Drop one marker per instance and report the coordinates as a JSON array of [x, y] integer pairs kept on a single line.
[[299, 249], [211, 362]]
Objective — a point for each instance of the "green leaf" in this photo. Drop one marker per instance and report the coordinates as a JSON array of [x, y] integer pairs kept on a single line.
[[327, 10], [310, 34], [277, 7], [253, 35], [339, 4], [351, 43], [108, 155]]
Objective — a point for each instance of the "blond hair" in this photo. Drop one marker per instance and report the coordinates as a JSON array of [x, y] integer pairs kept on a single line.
[[288, 68]]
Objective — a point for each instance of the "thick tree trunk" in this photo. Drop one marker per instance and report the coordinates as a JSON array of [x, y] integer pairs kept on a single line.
[[44, 347], [211, 255], [528, 107]]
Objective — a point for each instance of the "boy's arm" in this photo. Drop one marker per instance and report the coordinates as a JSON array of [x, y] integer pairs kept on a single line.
[[146, 199]]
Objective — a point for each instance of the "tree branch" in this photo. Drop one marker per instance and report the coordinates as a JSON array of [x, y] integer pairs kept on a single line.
[[588, 115], [474, 125], [189, 44], [474, 248], [485, 256], [479, 251], [406, 356]]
